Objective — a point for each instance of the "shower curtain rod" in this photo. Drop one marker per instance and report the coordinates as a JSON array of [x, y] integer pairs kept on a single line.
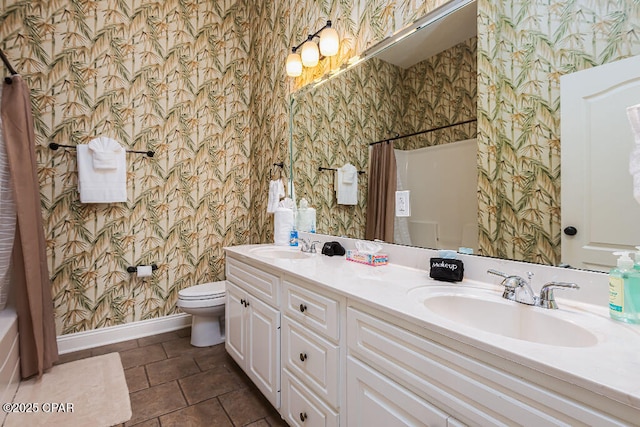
[[421, 132], [9, 67]]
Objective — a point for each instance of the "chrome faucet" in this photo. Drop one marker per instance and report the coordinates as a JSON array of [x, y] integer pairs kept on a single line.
[[307, 246], [518, 289]]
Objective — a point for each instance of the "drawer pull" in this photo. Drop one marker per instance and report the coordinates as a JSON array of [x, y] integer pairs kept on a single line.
[[303, 416], [303, 357], [302, 308]]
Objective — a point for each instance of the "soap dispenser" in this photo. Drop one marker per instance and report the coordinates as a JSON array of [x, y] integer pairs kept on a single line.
[[624, 290], [636, 266]]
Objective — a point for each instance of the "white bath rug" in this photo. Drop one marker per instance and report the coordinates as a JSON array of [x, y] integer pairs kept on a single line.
[[87, 392]]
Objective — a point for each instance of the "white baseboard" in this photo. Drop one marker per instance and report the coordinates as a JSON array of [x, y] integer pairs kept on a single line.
[[113, 334]]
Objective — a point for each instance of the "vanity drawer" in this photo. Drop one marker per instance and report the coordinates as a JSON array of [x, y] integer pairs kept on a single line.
[[375, 400], [258, 282], [300, 407], [312, 310], [314, 360]]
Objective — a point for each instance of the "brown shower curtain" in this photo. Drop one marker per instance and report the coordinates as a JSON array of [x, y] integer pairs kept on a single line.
[[381, 195], [31, 286]]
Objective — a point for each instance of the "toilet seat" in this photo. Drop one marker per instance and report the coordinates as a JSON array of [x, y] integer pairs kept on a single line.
[[205, 291]]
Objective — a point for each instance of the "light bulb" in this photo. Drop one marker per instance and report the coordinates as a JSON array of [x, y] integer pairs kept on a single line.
[[294, 65], [310, 54], [329, 42]]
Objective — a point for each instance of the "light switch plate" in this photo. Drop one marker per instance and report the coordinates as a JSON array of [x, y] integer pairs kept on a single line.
[[403, 203]]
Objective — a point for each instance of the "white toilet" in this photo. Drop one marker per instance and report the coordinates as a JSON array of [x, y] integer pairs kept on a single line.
[[205, 304]]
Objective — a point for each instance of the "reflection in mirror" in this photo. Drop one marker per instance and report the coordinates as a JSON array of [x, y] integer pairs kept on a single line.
[[427, 81]]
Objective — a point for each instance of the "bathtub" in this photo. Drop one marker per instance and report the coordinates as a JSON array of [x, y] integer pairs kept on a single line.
[[9, 357]]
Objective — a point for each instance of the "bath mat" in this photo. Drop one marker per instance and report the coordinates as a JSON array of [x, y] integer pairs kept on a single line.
[[87, 392]]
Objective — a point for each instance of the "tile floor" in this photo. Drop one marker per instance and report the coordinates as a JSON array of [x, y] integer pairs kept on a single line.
[[172, 383]]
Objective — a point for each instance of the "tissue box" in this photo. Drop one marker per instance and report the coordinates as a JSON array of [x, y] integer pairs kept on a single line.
[[369, 259]]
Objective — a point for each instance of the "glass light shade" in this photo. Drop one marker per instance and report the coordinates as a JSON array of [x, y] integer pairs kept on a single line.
[[294, 65], [329, 42], [310, 54]]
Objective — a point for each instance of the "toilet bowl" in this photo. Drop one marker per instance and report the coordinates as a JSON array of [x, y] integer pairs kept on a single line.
[[205, 304]]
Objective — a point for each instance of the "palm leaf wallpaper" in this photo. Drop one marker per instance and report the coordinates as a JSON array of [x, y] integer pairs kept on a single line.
[[523, 49], [202, 83], [334, 124]]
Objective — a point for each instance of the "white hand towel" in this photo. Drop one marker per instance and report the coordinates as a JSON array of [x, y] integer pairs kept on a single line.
[[347, 185], [276, 191], [105, 152], [101, 185], [282, 226], [633, 113]]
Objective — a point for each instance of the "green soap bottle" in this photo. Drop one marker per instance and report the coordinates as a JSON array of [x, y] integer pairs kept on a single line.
[[636, 265], [624, 290]]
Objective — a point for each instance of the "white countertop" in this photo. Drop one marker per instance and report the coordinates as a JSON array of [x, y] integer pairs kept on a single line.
[[610, 368]]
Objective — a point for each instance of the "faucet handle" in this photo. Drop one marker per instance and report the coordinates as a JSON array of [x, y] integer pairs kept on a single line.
[[547, 299], [304, 244], [313, 246], [508, 283], [498, 273]]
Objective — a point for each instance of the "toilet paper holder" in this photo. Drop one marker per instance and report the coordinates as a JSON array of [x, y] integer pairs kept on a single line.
[[154, 267]]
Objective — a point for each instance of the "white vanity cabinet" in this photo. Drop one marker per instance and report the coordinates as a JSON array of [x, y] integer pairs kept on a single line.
[[311, 355], [252, 325], [419, 375]]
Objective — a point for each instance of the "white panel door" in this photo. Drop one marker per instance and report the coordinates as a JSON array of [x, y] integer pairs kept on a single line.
[[263, 354], [234, 324], [596, 188]]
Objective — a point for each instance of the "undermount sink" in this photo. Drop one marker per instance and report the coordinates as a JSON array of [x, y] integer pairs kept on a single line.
[[280, 253], [510, 319]]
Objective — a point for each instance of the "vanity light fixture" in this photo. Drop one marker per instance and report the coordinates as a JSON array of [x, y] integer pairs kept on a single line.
[[309, 55]]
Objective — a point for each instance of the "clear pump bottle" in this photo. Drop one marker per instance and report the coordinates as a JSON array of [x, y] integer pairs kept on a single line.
[[624, 290]]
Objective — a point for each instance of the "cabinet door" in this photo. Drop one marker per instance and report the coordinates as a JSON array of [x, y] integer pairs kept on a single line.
[[375, 400], [235, 324], [263, 352]]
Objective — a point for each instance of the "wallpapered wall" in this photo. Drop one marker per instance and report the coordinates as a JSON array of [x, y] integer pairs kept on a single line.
[[523, 49], [200, 82], [335, 122], [203, 84]]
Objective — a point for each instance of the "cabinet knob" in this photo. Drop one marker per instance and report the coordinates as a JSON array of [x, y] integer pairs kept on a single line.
[[303, 357], [242, 301], [302, 308], [570, 231], [246, 303], [303, 416]]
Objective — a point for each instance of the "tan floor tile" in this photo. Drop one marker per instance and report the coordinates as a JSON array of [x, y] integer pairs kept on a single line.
[[115, 347], [245, 406], [142, 356], [171, 369], [186, 332], [155, 339], [136, 379], [155, 401], [206, 385], [149, 423], [207, 413], [216, 357], [276, 420], [183, 347], [72, 357], [259, 423]]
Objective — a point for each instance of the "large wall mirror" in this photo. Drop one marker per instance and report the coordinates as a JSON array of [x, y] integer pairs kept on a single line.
[[421, 83], [405, 85]]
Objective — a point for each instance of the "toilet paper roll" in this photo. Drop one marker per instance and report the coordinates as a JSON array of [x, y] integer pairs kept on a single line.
[[144, 270]]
